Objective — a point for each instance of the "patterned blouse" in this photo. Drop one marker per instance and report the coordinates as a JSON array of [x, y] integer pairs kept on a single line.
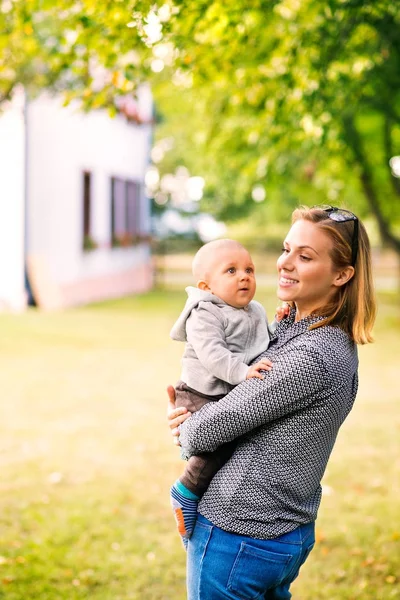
[[287, 425]]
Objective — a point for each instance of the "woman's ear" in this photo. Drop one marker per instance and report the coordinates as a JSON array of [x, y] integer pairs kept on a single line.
[[203, 285], [343, 276]]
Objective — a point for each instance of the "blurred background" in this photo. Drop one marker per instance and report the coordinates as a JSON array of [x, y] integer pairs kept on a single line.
[[132, 132]]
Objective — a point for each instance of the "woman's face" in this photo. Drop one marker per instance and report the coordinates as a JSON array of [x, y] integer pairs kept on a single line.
[[306, 273]]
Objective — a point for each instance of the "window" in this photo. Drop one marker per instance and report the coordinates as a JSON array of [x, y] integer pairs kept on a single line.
[[88, 242], [118, 210], [125, 212], [133, 207]]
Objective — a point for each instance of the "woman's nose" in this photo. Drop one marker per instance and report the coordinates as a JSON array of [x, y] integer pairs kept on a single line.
[[284, 261]]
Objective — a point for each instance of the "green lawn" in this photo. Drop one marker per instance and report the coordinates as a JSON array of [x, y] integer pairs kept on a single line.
[[87, 461]]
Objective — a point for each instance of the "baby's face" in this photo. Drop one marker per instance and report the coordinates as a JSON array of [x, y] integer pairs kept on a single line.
[[230, 276]]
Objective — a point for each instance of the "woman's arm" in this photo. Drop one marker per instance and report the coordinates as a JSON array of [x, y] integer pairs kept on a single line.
[[296, 379]]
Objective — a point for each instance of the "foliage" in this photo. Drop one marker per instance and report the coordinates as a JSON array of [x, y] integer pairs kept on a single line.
[[89, 243], [298, 99], [293, 96], [87, 49]]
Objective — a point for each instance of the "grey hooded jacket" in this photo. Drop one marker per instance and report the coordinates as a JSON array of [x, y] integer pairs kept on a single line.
[[221, 341]]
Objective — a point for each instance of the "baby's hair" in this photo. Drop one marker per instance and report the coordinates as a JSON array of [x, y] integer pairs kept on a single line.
[[202, 258]]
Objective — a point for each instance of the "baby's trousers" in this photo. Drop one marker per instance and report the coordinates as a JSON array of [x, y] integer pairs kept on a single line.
[[200, 469]]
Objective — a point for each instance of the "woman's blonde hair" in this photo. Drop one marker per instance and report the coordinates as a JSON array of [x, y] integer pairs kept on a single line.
[[354, 307]]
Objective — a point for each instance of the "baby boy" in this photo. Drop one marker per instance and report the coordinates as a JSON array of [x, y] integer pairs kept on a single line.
[[224, 330]]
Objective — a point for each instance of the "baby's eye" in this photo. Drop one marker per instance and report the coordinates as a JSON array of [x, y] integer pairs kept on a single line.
[[232, 270], [249, 270]]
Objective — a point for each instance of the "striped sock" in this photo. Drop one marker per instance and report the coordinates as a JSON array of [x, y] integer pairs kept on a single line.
[[184, 504]]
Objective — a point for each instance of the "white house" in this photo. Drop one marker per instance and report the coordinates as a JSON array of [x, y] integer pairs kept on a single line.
[[74, 218]]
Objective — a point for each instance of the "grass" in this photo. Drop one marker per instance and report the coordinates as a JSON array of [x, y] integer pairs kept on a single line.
[[86, 461]]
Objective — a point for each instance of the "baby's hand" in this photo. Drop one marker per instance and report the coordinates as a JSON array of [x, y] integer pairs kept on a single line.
[[262, 365], [282, 312]]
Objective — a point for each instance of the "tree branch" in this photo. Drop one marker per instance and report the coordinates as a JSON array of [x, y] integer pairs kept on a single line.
[[7, 94], [388, 148], [353, 139]]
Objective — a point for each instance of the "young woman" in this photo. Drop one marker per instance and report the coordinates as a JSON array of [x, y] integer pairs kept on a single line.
[[255, 526]]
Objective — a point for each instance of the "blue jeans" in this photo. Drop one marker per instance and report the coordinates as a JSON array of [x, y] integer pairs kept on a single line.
[[236, 567]]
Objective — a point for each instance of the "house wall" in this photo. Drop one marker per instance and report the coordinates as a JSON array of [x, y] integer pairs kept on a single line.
[[64, 142], [12, 158]]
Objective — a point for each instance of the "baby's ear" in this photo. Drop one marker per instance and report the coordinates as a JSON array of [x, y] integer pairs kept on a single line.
[[203, 285]]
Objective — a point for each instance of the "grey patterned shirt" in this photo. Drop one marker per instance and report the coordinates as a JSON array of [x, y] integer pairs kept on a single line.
[[287, 424]]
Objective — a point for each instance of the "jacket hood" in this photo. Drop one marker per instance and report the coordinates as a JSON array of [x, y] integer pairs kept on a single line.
[[195, 296]]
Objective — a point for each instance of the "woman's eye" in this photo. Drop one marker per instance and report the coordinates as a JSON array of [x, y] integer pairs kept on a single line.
[[284, 250], [304, 257]]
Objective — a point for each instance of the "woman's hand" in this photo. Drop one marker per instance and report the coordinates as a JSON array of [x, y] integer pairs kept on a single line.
[[175, 416], [282, 312]]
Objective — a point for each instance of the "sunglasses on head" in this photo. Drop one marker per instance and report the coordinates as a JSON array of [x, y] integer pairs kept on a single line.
[[341, 216]]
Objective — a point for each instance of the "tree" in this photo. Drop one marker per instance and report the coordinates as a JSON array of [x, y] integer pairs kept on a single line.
[[293, 96], [301, 87], [92, 49]]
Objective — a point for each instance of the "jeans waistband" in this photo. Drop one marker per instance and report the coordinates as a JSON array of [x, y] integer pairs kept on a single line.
[[296, 536]]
